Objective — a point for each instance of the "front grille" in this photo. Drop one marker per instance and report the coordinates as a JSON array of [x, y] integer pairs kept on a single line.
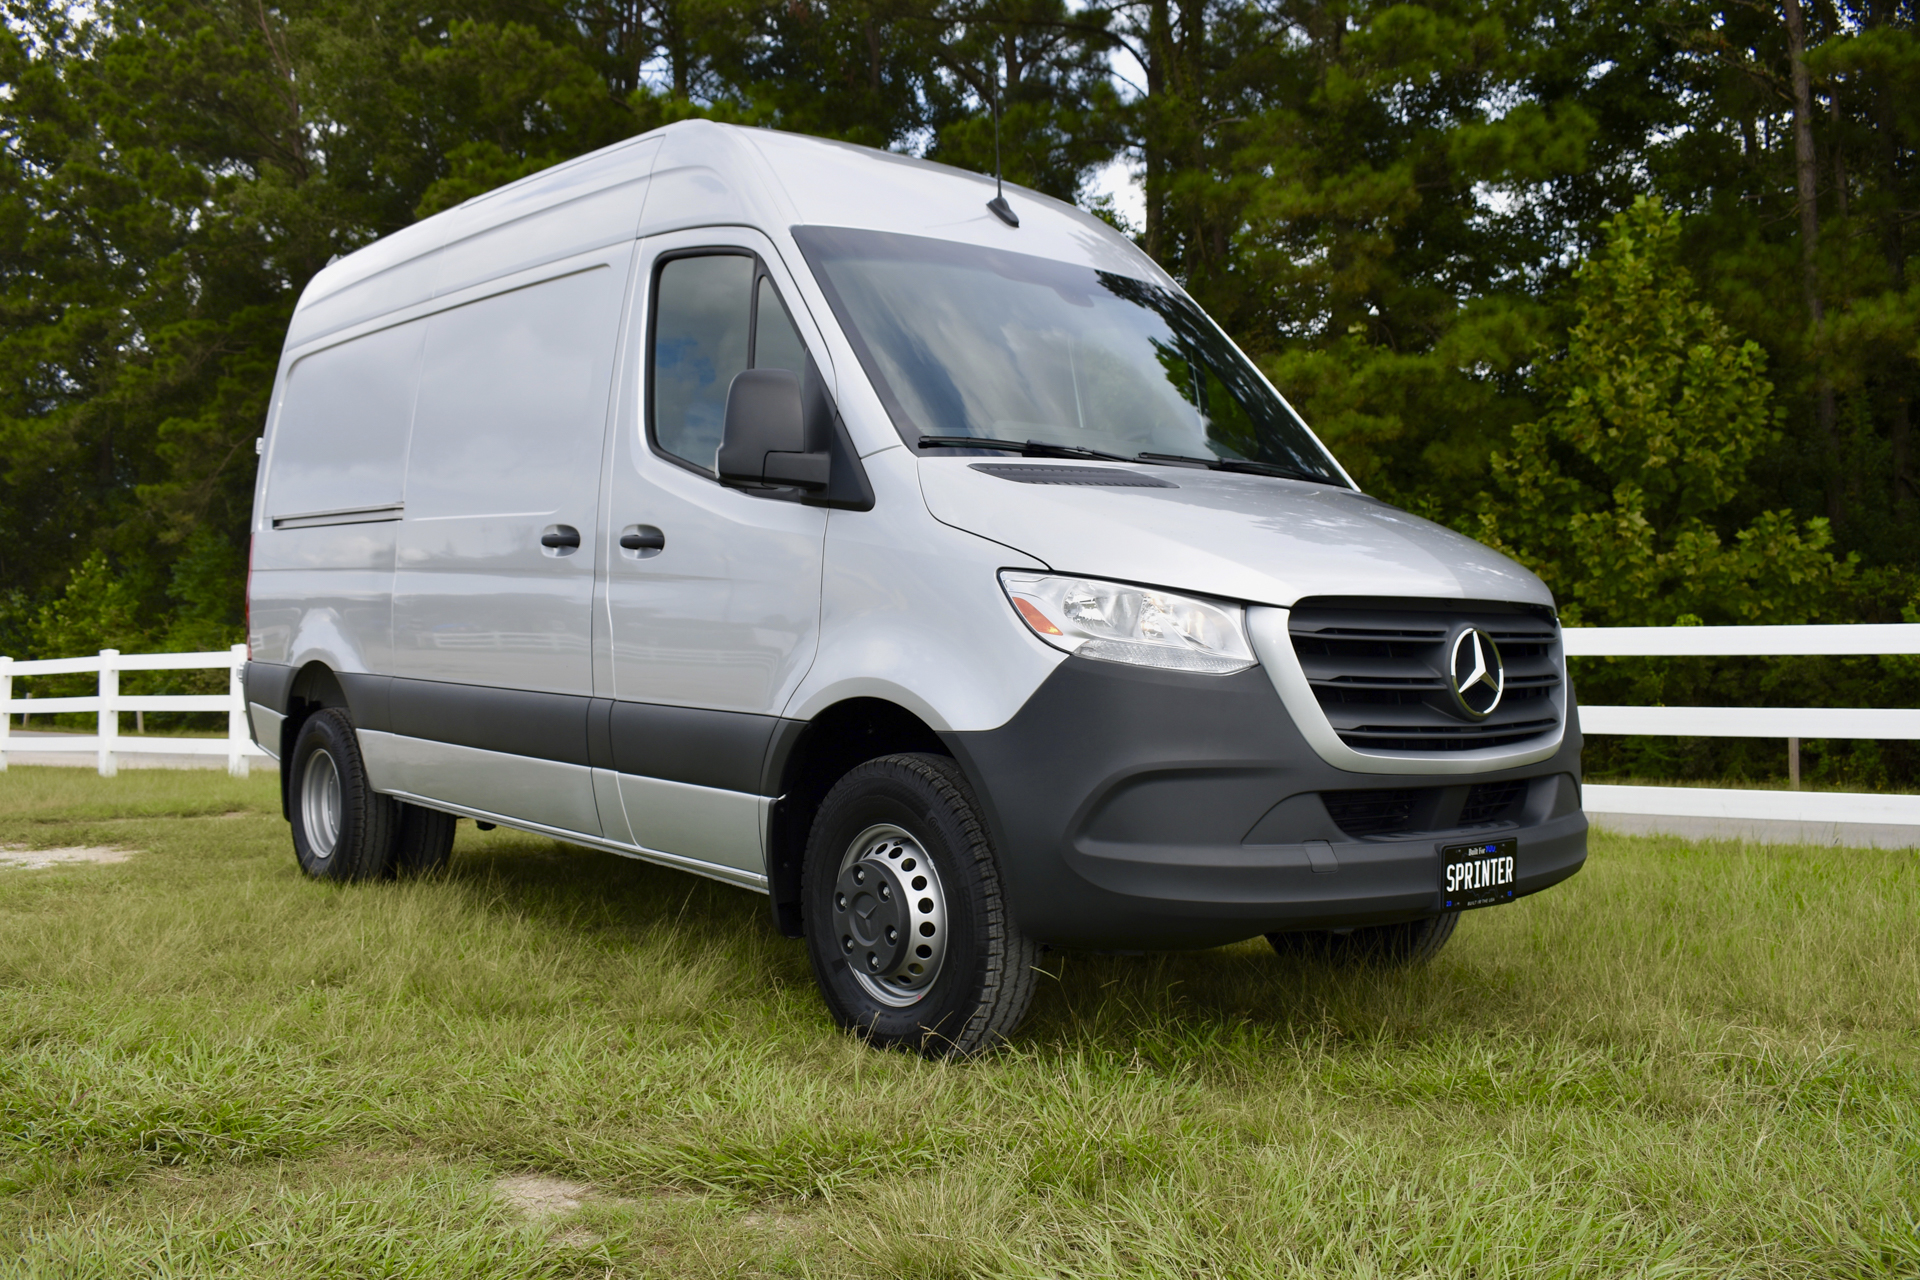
[[1492, 801], [1367, 813], [1379, 671]]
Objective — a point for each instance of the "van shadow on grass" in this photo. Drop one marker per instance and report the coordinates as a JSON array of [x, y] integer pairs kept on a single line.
[[1179, 1003]]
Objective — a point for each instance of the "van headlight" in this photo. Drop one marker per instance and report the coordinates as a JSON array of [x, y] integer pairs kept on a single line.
[[1117, 622]]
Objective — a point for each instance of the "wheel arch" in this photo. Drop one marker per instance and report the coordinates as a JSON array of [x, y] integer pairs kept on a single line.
[[804, 761], [315, 687]]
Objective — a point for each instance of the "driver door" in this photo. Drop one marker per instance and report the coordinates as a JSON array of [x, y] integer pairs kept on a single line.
[[712, 593]]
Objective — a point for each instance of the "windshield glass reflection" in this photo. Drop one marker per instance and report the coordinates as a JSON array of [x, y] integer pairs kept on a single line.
[[966, 341]]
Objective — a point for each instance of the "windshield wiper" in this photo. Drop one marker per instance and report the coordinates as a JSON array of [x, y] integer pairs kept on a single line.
[[1025, 448], [1245, 466]]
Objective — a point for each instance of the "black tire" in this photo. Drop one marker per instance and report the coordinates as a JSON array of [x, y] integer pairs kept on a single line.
[[976, 969], [1386, 946], [342, 828], [423, 842]]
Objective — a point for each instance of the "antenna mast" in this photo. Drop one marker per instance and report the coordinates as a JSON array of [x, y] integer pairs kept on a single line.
[[998, 205]]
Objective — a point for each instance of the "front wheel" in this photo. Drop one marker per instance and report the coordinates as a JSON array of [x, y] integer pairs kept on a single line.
[[909, 934], [342, 828], [1386, 945]]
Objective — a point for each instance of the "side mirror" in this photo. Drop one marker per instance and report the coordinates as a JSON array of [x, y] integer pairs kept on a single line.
[[765, 437]]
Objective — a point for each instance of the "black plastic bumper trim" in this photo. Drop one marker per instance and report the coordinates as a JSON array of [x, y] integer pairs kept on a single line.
[[1138, 809], [268, 683]]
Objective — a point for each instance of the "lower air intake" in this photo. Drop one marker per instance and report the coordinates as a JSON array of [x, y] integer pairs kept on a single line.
[[1369, 813]]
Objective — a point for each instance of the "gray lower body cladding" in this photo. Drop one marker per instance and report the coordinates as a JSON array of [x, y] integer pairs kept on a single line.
[[1138, 809], [1133, 809], [726, 750]]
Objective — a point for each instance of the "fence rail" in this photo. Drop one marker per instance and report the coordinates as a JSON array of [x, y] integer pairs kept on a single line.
[[107, 743], [1790, 723]]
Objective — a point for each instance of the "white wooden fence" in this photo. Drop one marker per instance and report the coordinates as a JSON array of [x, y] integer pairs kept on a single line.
[[1788, 723], [107, 742]]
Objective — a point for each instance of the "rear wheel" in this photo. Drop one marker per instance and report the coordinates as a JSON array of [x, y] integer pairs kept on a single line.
[[424, 841], [1386, 945], [342, 828], [907, 929]]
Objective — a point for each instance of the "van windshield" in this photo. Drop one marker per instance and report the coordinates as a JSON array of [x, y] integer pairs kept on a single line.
[[961, 340]]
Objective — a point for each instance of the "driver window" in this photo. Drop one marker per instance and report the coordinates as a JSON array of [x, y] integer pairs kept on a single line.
[[715, 314], [775, 344]]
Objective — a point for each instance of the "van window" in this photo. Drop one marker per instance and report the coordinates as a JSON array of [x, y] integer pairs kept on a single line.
[[961, 340], [715, 314], [775, 344], [342, 435], [513, 399]]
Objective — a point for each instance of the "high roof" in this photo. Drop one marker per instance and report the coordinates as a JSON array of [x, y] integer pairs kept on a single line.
[[695, 173]]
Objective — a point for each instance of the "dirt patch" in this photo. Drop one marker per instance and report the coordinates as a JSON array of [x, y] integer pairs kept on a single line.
[[578, 1238], [38, 859], [538, 1196]]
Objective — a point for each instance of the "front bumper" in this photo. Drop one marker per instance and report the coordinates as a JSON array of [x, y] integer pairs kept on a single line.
[[1138, 809]]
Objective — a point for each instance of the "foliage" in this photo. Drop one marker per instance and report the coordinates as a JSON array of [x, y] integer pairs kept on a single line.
[[1618, 494], [99, 609], [1386, 203]]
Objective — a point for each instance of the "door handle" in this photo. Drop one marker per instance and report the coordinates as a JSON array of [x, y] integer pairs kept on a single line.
[[644, 538], [564, 536]]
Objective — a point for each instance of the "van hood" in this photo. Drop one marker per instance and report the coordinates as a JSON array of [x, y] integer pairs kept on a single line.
[[1240, 537]]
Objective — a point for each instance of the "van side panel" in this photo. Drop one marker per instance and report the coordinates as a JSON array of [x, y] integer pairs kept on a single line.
[[342, 438], [324, 546], [506, 449]]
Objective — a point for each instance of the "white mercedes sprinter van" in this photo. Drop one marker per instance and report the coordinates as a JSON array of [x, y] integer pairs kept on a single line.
[[779, 511]]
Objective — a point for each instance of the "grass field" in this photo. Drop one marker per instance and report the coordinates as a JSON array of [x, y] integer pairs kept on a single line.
[[1693, 1059]]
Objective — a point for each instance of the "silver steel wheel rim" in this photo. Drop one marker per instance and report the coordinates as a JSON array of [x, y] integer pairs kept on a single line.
[[320, 803], [908, 982]]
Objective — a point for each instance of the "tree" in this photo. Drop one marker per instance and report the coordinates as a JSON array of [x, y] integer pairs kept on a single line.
[[1618, 497], [1383, 202], [1349, 188]]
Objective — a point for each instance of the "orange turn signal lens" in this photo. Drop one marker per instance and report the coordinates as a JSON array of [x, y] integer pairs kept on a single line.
[[1036, 619]]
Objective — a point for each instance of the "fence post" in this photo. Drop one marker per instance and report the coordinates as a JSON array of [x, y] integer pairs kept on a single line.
[[237, 735], [6, 708], [109, 718]]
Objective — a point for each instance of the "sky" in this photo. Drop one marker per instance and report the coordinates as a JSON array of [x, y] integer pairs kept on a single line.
[[1116, 178]]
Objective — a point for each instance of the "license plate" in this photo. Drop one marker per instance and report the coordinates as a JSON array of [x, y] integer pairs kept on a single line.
[[1477, 875]]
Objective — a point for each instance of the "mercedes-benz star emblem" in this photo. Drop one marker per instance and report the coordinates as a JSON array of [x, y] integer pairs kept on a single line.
[[1478, 675]]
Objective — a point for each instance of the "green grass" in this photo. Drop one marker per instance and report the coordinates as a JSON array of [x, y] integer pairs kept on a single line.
[[1693, 1059]]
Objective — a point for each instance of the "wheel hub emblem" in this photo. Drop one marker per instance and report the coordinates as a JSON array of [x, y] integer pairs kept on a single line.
[[871, 907], [1476, 674]]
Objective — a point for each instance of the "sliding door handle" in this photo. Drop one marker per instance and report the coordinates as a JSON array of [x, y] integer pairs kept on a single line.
[[561, 536], [643, 538]]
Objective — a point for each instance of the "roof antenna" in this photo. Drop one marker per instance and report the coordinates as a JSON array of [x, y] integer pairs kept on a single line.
[[998, 206]]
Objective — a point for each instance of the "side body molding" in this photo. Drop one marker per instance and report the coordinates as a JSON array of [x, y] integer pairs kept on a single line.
[[539, 762]]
